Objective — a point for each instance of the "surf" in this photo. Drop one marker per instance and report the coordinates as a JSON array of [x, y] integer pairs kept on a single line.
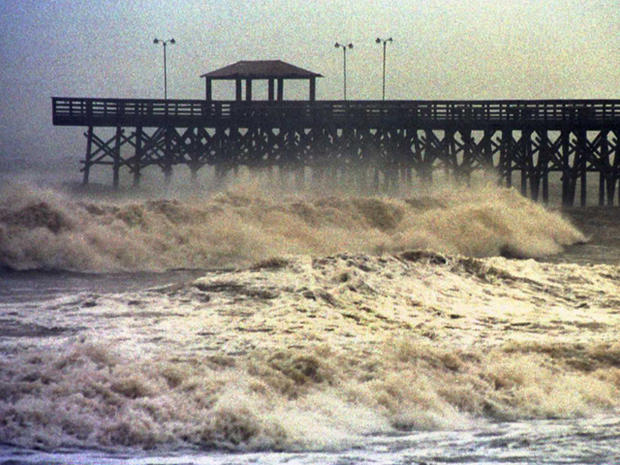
[[47, 230]]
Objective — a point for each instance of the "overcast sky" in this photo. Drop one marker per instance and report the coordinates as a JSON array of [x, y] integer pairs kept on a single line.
[[442, 49]]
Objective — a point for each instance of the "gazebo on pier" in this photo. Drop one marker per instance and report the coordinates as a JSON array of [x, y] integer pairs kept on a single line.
[[274, 71], [373, 143]]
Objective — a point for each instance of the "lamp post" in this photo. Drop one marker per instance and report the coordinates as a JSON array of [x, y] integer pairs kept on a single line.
[[344, 64], [384, 42], [164, 43]]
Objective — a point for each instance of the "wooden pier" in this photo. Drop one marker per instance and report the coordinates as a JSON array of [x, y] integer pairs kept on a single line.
[[381, 143]]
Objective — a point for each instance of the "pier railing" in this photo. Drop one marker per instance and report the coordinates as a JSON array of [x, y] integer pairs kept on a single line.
[[69, 111]]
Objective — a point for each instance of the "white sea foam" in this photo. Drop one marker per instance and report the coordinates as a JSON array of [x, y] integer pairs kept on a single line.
[[298, 353], [332, 318], [47, 230]]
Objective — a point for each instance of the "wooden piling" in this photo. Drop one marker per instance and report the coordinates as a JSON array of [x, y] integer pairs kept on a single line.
[[117, 158], [89, 154], [378, 144]]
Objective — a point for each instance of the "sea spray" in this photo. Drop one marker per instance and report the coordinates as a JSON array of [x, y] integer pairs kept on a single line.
[[301, 352], [47, 230], [319, 320], [253, 403]]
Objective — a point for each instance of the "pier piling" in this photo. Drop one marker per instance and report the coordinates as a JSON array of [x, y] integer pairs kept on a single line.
[[375, 144]]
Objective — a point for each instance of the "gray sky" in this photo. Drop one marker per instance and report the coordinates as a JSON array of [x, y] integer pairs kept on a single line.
[[442, 49]]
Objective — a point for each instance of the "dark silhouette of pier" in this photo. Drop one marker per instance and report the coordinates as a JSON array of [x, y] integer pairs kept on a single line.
[[382, 143]]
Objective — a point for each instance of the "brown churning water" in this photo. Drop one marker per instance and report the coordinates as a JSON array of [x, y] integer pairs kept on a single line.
[[45, 230], [329, 319]]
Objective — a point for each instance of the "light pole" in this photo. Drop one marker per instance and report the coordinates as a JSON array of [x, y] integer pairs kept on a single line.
[[384, 41], [344, 64], [164, 43]]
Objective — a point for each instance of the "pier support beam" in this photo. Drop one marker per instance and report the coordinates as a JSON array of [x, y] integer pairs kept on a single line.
[[568, 183], [505, 156], [616, 169], [360, 144], [543, 164], [116, 163], [89, 154], [137, 157], [168, 156]]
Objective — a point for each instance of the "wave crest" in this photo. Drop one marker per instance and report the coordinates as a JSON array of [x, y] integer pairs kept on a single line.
[[292, 400], [46, 230]]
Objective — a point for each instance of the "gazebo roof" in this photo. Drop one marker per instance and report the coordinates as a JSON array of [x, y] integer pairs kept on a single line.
[[261, 69]]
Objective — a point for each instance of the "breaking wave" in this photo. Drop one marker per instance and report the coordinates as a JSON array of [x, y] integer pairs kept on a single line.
[[301, 353], [47, 230], [290, 399]]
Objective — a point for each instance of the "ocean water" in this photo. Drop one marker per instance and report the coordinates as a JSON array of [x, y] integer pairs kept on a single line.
[[463, 326]]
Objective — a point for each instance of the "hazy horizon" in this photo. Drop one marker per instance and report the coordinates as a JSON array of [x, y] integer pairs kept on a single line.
[[441, 50]]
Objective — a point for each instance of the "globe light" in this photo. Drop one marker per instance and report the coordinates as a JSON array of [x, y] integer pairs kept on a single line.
[[384, 41], [164, 43], [344, 64]]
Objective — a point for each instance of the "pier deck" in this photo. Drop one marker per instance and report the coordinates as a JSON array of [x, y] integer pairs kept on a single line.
[[591, 114], [383, 142]]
